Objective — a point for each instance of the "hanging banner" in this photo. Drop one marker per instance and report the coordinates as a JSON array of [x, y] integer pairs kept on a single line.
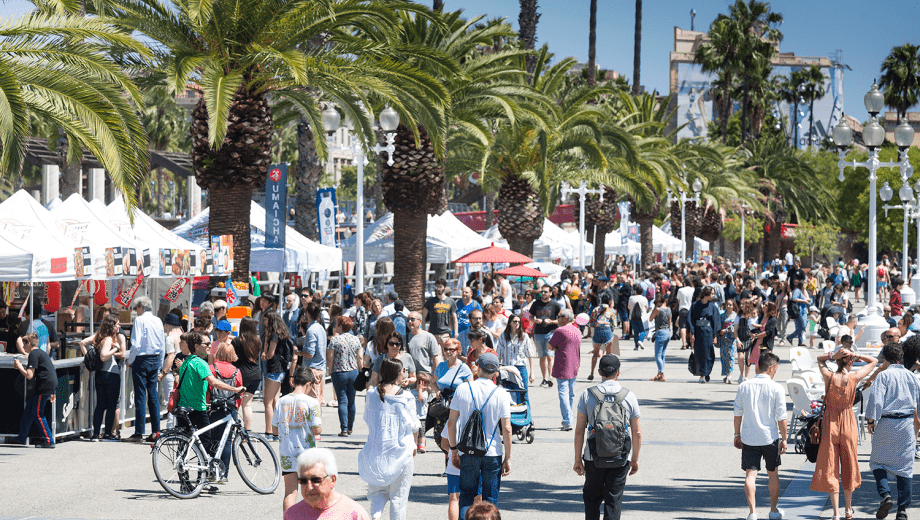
[[125, 297], [176, 289], [624, 221], [325, 216], [232, 297], [276, 206]]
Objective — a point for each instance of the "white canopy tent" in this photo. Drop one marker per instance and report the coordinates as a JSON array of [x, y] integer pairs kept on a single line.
[[299, 255], [615, 247], [554, 244], [145, 228], [661, 242], [25, 260], [448, 239]]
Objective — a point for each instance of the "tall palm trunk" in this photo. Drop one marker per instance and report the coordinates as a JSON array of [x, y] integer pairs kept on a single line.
[[811, 120], [774, 239], [527, 23], [307, 175], [637, 49], [231, 171], [646, 221], [437, 5], [413, 188], [795, 120], [161, 179], [520, 219], [592, 44], [726, 108]]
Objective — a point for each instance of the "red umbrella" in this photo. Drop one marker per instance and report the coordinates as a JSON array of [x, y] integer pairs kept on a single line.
[[493, 255], [523, 271]]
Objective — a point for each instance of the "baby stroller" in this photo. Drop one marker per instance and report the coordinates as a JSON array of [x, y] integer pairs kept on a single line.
[[829, 331], [803, 444], [521, 420]]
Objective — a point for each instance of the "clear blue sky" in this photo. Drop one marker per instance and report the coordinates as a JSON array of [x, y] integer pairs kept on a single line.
[[864, 31]]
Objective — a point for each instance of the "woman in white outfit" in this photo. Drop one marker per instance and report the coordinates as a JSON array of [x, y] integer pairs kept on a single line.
[[386, 461]]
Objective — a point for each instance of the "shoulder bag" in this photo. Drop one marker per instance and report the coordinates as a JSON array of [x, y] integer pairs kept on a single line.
[[440, 407], [173, 402]]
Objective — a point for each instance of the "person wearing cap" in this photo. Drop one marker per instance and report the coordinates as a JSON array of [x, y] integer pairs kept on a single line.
[[494, 403], [605, 484], [222, 330], [390, 308]]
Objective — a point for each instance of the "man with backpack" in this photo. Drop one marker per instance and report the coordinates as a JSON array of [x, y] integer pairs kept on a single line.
[[478, 410], [610, 413], [400, 318]]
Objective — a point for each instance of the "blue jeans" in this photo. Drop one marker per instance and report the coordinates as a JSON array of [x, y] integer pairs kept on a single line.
[[566, 389], [473, 470], [464, 339], [144, 372], [343, 384], [904, 487], [216, 434], [540, 341], [524, 375], [33, 411], [636, 327], [108, 386], [799, 329], [662, 337]]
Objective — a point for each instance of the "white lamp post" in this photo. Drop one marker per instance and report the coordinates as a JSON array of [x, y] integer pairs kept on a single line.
[[908, 296], [697, 188], [743, 213], [873, 136], [915, 214], [389, 121], [581, 191]]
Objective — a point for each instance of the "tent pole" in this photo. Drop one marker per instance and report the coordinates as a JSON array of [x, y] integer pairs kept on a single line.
[[92, 302]]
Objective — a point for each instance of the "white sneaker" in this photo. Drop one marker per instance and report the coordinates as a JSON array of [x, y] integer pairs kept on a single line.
[[752, 516], [776, 515]]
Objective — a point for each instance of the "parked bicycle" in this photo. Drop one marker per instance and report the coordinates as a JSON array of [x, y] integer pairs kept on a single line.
[[183, 466]]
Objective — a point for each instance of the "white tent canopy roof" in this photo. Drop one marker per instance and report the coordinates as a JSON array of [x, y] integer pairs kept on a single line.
[[299, 255], [554, 244], [661, 241], [448, 239]]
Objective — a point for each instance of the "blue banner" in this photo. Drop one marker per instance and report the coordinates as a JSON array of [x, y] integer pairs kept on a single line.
[[326, 216], [276, 206]]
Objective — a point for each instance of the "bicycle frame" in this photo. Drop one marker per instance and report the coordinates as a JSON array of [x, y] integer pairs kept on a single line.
[[230, 424]]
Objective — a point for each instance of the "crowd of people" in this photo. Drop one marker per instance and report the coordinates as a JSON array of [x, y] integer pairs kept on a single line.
[[444, 371]]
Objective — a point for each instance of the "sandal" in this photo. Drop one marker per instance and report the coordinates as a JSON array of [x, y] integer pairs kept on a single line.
[[849, 514]]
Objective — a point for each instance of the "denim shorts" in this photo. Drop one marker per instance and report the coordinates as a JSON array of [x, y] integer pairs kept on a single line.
[[540, 341], [602, 335], [453, 483], [276, 377]]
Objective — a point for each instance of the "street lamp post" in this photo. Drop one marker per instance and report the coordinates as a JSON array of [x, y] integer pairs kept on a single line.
[[915, 214], [743, 213], [389, 121], [697, 188], [873, 137], [908, 296], [581, 191]]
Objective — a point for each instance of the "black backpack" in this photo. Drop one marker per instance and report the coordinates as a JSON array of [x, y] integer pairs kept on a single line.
[[472, 439], [217, 395], [92, 360], [284, 351], [792, 308]]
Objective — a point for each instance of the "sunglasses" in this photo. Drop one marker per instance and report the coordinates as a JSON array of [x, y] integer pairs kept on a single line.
[[315, 480], [394, 344], [515, 321], [451, 350], [890, 336]]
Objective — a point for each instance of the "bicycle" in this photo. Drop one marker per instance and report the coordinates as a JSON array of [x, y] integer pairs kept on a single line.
[[183, 466]]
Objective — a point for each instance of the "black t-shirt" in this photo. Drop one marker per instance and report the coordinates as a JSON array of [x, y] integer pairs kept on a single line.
[[249, 370], [611, 294], [770, 330], [439, 313], [625, 291], [45, 376], [796, 275], [545, 311]]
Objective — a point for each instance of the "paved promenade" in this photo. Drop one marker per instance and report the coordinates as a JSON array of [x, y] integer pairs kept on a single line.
[[688, 468]]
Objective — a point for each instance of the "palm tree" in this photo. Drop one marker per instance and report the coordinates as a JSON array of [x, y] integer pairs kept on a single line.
[[637, 49], [527, 29], [241, 52], [901, 78], [167, 127], [592, 43], [57, 68], [790, 91], [719, 57], [483, 85], [813, 91]]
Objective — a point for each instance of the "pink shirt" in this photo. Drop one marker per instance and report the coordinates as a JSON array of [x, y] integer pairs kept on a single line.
[[567, 341], [344, 509]]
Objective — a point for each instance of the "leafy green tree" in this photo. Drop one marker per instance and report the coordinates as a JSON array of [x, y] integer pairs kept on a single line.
[[167, 127], [816, 239], [348, 181], [242, 52], [901, 78], [58, 69], [753, 228]]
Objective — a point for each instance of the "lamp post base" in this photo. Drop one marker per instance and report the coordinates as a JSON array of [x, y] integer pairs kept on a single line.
[[908, 295], [915, 284]]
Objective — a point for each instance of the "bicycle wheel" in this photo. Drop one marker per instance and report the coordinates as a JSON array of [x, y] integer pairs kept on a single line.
[[257, 462], [179, 465]]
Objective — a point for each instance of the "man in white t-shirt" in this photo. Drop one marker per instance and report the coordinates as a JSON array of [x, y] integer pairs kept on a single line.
[[504, 291], [495, 406], [684, 300], [789, 260]]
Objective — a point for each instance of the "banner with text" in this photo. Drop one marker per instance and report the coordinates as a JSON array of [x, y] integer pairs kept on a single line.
[[325, 216], [276, 206]]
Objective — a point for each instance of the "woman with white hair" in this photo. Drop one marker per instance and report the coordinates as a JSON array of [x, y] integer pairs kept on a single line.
[[317, 473]]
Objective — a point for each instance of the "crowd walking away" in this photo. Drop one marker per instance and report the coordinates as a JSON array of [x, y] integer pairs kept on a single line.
[[455, 380]]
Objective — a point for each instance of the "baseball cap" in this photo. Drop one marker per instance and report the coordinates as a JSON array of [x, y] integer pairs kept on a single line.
[[601, 278], [488, 362], [813, 309], [172, 319], [609, 365], [392, 296], [224, 325]]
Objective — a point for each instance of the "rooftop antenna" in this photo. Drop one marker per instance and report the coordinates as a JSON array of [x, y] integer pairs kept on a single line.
[[692, 17]]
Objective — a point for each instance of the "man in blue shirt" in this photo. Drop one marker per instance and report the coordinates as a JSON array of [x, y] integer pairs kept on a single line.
[[348, 296], [467, 305], [147, 344]]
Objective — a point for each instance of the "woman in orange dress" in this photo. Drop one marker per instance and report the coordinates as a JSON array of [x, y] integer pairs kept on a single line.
[[839, 434]]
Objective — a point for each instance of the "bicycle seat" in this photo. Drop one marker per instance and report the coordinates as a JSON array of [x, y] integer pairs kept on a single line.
[[181, 411]]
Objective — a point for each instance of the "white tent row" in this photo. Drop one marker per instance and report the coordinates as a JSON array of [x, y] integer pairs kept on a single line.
[[554, 244], [448, 239], [698, 243], [661, 242], [300, 254]]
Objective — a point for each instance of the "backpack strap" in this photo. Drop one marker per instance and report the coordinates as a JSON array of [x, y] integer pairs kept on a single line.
[[487, 398]]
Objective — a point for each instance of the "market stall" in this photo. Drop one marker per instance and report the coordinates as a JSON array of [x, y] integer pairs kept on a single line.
[[554, 244]]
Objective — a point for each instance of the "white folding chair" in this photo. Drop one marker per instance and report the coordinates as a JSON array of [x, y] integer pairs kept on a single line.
[[832, 326], [801, 360], [801, 401], [814, 381], [828, 346]]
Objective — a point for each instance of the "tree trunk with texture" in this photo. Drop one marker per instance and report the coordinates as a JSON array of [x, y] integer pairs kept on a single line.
[[527, 22], [161, 179], [646, 223], [306, 175], [592, 44], [70, 179], [437, 5], [637, 50], [410, 256], [231, 171], [520, 219]]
